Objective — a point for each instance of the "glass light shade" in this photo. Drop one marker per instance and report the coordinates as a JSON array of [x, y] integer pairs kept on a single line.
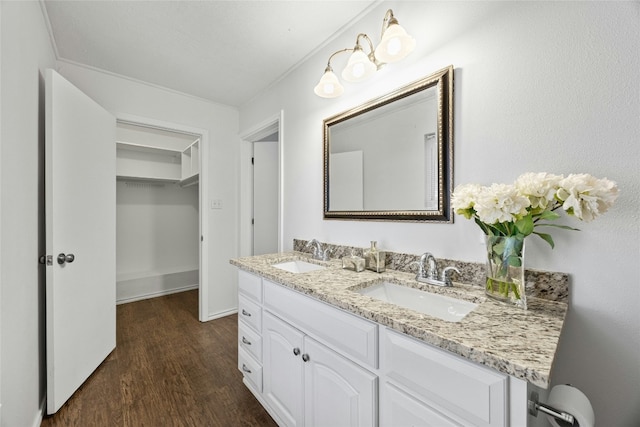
[[329, 86], [395, 44], [359, 67]]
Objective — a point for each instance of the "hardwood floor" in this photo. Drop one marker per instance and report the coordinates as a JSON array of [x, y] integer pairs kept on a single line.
[[168, 369]]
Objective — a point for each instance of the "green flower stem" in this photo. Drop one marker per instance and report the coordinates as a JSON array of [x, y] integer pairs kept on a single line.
[[514, 286]]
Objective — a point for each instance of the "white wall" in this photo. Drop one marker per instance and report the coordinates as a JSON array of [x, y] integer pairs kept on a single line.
[[25, 51], [157, 239], [120, 95], [157, 228], [539, 86]]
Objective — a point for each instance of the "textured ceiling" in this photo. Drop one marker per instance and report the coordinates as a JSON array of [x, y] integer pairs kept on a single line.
[[224, 51]]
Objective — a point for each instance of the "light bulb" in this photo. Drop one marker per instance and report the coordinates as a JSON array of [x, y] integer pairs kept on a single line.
[[395, 44], [359, 67], [328, 86]]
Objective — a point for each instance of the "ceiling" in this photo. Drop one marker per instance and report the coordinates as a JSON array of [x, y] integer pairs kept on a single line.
[[223, 51]]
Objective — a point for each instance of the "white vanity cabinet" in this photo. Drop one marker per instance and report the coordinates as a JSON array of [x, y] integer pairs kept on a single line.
[[311, 364], [305, 382]]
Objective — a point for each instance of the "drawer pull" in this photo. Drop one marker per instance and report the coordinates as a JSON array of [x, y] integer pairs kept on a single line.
[[296, 351], [246, 341], [246, 313], [305, 357], [245, 369]]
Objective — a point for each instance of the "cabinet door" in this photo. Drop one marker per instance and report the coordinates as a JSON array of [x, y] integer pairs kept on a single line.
[[337, 391], [282, 373]]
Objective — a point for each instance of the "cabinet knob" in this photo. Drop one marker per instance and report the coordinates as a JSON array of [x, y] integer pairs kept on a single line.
[[244, 368], [246, 313], [305, 357], [246, 341], [296, 351]]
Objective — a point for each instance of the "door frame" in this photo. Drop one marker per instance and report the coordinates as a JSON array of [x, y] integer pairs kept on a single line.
[[203, 191], [245, 199]]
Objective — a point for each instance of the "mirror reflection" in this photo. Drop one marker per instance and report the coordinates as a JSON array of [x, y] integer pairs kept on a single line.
[[390, 159]]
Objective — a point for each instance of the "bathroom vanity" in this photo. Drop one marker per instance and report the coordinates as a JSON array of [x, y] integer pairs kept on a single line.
[[315, 350]]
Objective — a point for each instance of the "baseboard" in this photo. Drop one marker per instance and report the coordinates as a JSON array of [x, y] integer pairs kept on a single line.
[[156, 294], [222, 314], [148, 284]]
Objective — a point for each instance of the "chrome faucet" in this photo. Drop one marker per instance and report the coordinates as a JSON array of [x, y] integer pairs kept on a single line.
[[317, 251], [428, 271], [429, 261]]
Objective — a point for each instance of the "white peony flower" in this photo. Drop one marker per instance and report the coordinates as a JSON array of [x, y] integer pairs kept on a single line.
[[585, 196], [463, 198], [500, 203], [540, 188]]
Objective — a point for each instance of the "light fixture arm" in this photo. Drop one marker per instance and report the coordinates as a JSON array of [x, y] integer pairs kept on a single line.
[[388, 20], [371, 55], [366, 37], [334, 54]]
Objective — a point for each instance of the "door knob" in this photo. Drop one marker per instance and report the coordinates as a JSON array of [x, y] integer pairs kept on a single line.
[[62, 258]]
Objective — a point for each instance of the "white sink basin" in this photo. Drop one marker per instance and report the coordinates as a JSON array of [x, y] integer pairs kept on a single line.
[[298, 266], [440, 306]]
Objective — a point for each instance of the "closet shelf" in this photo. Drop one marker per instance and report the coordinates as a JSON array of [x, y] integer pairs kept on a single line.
[[192, 180], [147, 162], [143, 148], [146, 179]]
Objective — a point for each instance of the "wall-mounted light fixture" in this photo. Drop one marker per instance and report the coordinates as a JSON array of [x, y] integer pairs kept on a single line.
[[394, 45]]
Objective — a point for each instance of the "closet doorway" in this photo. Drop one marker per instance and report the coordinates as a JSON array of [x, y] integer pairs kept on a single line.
[[261, 189], [159, 219]]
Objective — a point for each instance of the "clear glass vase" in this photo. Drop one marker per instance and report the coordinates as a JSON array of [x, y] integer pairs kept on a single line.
[[505, 269]]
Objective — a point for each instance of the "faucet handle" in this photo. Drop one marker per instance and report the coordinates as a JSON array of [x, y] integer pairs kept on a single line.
[[326, 253], [446, 275], [420, 272]]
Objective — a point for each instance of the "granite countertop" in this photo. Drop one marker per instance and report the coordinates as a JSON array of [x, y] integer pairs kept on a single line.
[[521, 343]]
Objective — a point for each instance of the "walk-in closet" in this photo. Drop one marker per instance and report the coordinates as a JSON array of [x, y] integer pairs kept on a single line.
[[157, 212]]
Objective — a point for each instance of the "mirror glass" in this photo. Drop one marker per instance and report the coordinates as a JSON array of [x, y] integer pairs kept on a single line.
[[391, 158]]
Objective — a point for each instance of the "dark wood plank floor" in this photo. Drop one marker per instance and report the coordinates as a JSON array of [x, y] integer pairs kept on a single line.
[[168, 369]]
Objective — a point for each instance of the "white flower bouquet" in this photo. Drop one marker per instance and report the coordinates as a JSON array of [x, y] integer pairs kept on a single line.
[[509, 213], [534, 198]]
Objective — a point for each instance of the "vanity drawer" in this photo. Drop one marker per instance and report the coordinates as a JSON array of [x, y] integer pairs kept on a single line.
[[251, 369], [398, 408], [250, 285], [447, 382], [250, 312], [250, 340], [352, 336]]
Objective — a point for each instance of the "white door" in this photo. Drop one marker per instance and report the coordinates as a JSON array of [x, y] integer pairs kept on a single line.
[[265, 197], [80, 221]]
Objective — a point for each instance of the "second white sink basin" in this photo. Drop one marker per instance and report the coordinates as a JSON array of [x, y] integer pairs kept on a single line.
[[440, 306], [298, 266]]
